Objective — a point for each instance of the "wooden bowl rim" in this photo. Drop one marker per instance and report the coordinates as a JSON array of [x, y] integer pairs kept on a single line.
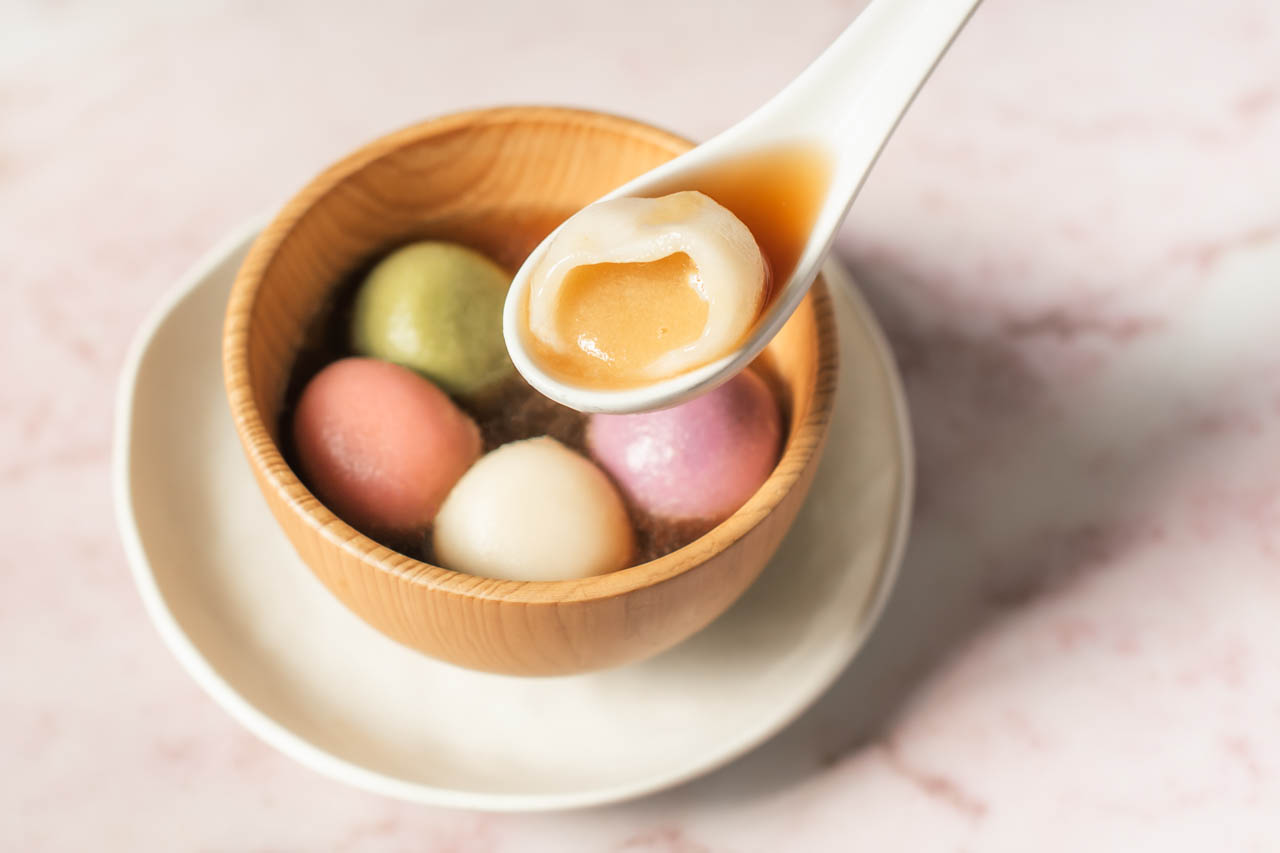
[[802, 444]]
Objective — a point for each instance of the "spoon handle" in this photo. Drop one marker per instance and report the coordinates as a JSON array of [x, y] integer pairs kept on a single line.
[[849, 102], [851, 97]]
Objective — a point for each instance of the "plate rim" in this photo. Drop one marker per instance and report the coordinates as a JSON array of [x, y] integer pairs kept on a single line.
[[315, 758]]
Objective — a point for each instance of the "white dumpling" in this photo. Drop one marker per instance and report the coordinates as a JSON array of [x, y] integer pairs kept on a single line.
[[731, 271], [533, 510]]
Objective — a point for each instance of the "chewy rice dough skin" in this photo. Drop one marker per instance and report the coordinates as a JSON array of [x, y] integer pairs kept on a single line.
[[633, 290], [534, 510], [380, 445], [436, 308], [701, 459]]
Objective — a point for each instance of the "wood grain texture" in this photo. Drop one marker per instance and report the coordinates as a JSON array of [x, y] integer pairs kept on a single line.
[[498, 180]]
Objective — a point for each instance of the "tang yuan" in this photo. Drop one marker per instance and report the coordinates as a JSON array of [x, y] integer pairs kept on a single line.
[[380, 445], [534, 510], [436, 308], [633, 290], [701, 459]]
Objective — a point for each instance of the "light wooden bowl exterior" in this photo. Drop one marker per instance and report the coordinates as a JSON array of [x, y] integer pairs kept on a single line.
[[479, 178]]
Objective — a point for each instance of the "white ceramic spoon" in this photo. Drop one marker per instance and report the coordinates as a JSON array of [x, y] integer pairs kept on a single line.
[[847, 102]]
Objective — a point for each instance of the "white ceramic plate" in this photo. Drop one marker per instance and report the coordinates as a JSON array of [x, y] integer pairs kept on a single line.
[[269, 644]]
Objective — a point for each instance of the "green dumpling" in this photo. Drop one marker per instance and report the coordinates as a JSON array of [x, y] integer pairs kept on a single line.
[[436, 308]]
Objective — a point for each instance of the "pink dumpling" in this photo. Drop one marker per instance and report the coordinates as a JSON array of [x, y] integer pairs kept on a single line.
[[700, 459], [380, 445]]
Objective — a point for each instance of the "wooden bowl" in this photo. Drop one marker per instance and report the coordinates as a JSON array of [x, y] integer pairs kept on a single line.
[[498, 180]]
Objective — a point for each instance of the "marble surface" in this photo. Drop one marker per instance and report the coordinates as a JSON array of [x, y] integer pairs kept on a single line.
[[1074, 242]]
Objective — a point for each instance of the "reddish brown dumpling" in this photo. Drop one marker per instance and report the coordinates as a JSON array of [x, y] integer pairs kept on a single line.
[[380, 445]]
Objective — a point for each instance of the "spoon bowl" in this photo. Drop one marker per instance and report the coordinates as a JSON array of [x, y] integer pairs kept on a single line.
[[840, 112]]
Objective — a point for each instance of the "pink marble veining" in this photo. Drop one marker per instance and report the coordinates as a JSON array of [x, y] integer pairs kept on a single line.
[[1073, 241]]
